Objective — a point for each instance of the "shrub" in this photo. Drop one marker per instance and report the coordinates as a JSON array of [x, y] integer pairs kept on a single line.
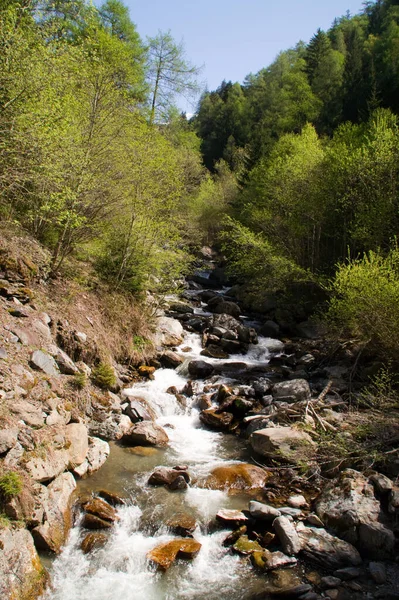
[[79, 381], [104, 376], [10, 485], [365, 301]]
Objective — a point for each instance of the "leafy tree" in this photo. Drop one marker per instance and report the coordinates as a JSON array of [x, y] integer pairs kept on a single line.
[[169, 73]]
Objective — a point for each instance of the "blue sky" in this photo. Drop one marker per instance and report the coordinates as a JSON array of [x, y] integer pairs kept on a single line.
[[232, 38]]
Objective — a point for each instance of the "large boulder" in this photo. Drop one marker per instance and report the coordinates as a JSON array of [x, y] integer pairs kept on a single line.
[[111, 427], [169, 332], [96, 456], [165, 554], [235, 477], [46, 466], [326, 550], [220, 421], [146, 433], [295, 390], [52, 534], [77, 442], [348, 506], [200, 369], [283, 444], [22, 575], [225, 307]]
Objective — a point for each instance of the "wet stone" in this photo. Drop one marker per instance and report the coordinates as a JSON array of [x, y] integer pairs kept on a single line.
[[165, 554], [93, 541], [231, 516], [246, 546], [101, 509], [92, 522], [182, 524]]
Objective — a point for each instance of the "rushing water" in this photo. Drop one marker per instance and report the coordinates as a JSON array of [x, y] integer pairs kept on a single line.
[[120, 569]]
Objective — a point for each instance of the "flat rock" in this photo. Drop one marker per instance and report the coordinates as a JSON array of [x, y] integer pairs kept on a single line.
[[169, 332], [48, 465], [146, 433], [295, 390], [287, 535], [263, 512], [326, 550], [245, 546], [284, 444], [236, 477], [165, 554], [51, 535], [269, 561], [31, 414], [231, 516], [44, 362]]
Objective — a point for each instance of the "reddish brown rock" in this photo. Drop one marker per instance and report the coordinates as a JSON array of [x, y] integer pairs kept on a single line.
[[165, 554]]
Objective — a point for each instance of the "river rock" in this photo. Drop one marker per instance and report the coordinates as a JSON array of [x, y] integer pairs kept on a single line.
[[200, 369], [170, 360], [97, 453], [295, 390], [90, 521], [101, 509], [213, 351], [245, 546], [220, 421], [269, 561], [180, 307], [287, 535], [165, 554], [325, 549], [378, 572], [182, 524], [52, 534], [93, 541], [167, 476], [77, 442], [349, 506], [112, 498], [146, 433], [169, 332], [270, 329], [231, 516], [297, 501], [44, 362], [263, 512], [22, 575], [284, 444], [225, 307], [236, 477]]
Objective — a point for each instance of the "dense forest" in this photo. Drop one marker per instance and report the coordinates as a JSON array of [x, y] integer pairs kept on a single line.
[[294, 173]]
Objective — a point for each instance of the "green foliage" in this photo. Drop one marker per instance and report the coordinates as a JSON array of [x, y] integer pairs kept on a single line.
[[366, 301], [10, 485], [252, 259], [104, 376], [79, 381]]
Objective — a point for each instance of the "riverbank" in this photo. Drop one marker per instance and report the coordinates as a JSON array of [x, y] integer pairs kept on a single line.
[[225, 419]]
